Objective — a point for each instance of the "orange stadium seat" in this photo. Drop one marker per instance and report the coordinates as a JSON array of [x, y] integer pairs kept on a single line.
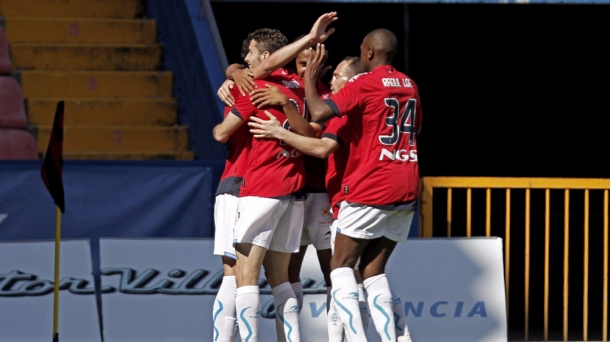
[[17, 144], [12, 108], [5, 58]]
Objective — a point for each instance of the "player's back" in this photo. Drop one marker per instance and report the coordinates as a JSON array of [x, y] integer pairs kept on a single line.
[[275, 169], [383, 165]]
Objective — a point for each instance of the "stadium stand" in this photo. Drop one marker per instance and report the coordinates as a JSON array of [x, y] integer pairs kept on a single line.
[[17, 144], [12, 110], [102, 58], [5, 58]]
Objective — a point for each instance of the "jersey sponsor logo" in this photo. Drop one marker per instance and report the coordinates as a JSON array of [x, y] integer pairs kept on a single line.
[[445, 308], [325, 211], [292, 154], [398, 155], [291, 84]]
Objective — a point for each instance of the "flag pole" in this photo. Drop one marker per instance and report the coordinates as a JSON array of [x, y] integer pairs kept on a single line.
[[51, 173], [56, 279]]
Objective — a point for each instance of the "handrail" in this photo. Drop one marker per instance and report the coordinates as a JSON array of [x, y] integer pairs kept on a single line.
[[509, 185]]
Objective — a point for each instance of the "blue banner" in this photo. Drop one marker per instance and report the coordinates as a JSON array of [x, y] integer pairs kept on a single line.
[[109, 199]]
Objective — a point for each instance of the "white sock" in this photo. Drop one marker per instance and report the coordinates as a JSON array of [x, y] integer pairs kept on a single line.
[[364, 309], [248, 305], [224, 311], [381, 306], [402, 330], [345, 296], [333, 323], [286, 313], [298, 291]]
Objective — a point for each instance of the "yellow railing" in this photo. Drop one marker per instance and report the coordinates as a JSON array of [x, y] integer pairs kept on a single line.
[[428, 185]]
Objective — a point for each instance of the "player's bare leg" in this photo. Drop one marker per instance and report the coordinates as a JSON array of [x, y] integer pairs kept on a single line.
[[247, 301], [285, 301], [224, 320], [347, 250], [324, 258]]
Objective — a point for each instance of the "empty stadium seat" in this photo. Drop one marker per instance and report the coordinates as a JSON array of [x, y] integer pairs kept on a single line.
[[17, 144], [5, 58], [12, 108]]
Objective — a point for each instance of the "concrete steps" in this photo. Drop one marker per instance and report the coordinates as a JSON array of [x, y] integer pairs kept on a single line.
[[105, 112], [102, 58], [118, 138], [81, 30], [72, 8], [96, 84], [187, 155], [86, 56]]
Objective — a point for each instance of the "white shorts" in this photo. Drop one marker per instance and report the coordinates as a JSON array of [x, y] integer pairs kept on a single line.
[[365, 222], [225, 213], [318, 217], [269, 223]]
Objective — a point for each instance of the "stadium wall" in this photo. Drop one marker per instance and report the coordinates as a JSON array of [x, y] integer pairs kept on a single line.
[[189, 52]]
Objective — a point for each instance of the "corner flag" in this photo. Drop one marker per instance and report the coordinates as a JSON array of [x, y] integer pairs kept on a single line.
[[51, 170]]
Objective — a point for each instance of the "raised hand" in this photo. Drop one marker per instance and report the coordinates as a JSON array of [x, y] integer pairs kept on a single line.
[[270, 96], [244, 80], [224, 93], [266, 128], [315, 65], [318, 30]]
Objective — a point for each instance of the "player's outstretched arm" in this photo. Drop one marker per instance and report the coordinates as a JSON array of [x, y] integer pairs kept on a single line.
[[318, 109], [271, 129], [318, 34]]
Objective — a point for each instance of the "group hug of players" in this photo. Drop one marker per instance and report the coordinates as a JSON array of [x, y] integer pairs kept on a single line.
[[335, 168]]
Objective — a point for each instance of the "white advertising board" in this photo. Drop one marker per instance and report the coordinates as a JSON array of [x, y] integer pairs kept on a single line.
[[163, 290], [26, 292]]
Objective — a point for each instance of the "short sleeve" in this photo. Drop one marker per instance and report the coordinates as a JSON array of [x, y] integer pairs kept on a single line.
[[347, 101], [336, 130], [243, 107]]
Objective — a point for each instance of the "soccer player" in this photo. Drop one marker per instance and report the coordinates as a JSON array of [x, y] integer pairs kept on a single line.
[[318, 216], [335, 136], [225, 211], [268, 209], [381, 182]]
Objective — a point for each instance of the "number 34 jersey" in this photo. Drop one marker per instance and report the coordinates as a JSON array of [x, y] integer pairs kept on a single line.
[[384, 116]]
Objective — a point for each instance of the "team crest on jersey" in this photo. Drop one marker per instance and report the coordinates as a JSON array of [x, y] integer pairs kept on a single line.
[[291, 84], [325, 211]]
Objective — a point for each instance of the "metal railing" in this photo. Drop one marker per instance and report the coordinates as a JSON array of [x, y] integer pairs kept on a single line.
[[510, 187]]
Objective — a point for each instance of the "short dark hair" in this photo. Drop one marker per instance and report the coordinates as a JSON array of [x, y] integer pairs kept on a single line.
[[245, 45], [268, 39], [354, 65]]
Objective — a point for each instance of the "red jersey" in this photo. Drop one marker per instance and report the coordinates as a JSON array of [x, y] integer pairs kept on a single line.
[[384, 107], [274, 169], [337, 130], [237, 157]]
